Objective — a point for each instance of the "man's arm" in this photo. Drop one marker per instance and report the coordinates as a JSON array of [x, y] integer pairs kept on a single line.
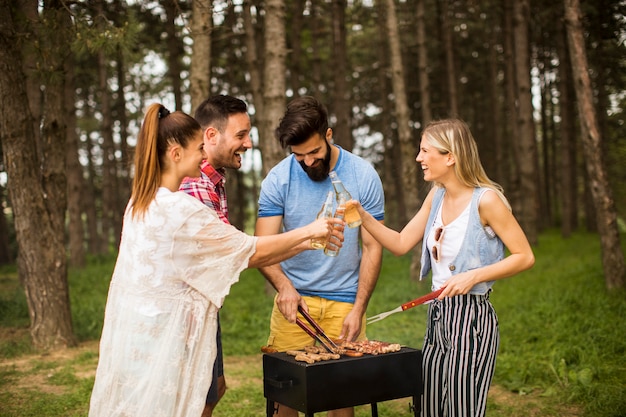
[[288, 298], [369, 270]]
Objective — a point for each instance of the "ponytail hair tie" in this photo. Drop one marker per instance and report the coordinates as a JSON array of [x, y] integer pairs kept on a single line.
[[163, 112]]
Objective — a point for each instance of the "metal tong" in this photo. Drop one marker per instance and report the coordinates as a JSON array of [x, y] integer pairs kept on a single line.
[[425, 299], [318, 334]]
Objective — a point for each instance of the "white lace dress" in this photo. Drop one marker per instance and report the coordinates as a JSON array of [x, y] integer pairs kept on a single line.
[[158, 346]]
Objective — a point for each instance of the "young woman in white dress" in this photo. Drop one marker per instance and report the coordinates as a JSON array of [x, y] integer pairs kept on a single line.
[[176, 263]]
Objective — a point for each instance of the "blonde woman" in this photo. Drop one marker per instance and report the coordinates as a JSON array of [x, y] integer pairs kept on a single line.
[[465, 223], [177, 261]]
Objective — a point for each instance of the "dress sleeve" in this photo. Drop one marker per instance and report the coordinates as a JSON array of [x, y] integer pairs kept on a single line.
[[210, 254]]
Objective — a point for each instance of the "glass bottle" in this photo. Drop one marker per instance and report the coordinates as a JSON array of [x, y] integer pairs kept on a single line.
[[351, 216], [331, 249], [325, 212]]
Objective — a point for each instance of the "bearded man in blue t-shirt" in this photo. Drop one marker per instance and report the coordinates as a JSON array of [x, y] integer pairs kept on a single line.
[[334, 290]]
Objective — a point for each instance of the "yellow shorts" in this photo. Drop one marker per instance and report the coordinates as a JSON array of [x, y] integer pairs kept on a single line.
[[327, 313]]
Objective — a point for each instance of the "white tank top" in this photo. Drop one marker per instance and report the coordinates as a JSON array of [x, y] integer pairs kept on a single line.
[[448, 246]]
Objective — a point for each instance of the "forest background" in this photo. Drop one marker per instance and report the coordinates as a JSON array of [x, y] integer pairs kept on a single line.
[[541, 84]]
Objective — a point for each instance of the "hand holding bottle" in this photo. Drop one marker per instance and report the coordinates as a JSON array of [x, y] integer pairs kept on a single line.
[[335, 239], [350, 213], [323, 228], [326, 212], [332, 246]]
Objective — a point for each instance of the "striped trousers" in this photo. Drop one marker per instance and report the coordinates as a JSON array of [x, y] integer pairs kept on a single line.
[[459, 356]]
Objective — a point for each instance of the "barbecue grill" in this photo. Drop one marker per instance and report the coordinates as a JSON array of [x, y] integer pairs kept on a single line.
[[344, 382]]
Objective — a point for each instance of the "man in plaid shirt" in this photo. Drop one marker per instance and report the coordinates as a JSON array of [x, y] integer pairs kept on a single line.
[[226, 126]]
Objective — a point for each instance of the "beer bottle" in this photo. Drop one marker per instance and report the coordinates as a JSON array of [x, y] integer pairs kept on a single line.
[[351, 215], [325, 212]]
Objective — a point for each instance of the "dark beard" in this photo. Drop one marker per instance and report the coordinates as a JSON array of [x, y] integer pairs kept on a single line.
[[320, 171]]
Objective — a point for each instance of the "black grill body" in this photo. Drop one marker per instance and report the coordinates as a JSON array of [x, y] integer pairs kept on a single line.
[[344, 382]]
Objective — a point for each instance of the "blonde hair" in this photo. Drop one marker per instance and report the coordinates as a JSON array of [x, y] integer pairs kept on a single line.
[[159, 130], [454, 136]]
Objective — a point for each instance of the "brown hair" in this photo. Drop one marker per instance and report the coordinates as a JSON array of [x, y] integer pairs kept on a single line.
[[304, 117], [159, 130]]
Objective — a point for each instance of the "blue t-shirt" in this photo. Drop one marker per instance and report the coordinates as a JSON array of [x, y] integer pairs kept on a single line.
[[287, 191]]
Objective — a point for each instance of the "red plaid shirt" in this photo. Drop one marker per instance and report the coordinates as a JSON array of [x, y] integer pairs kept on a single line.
[[209, 189]]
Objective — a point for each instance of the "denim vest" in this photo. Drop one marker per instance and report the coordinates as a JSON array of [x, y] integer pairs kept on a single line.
[[480, 245]]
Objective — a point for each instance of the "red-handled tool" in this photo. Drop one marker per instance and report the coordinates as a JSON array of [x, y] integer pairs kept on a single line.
[[425, 299]]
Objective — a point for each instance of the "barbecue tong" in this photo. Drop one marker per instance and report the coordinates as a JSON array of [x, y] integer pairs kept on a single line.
[[425, 299], [318, 334]]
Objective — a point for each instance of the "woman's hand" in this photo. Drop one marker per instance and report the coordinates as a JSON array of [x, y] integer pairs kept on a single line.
[[327, 227], [458, 284], [355, 203]]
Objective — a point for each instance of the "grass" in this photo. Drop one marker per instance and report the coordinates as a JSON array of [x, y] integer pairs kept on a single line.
[[562, 352]]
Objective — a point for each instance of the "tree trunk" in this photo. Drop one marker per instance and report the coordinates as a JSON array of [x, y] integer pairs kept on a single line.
[[526, 147], [175, 51], [110, 213], [29, 9], [236, 191], [408, 146], [75, 182], [341, 92], [95, 243], [422, 64], [54, 136], [255, 63], [273, 83], [448, 47], [494, 119], [395, 209], [568, 173], [511, 166], [426, 112], [317, 29], [545, 186], [606, 215], [124, 180], [200, 71], [38, 212], [273, 89], [295, 45], [110, 209]]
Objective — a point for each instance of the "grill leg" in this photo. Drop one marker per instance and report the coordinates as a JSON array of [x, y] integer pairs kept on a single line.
[[374, 410], [416, 407], [270, 408]]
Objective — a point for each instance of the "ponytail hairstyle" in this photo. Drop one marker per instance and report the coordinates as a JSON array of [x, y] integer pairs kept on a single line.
[[160, 130], [454, 136]]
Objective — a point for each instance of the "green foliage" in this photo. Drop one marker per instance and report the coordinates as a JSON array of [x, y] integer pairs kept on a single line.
[[245, 315], [13, 315], [88, 291], [65, 376], [393, 289], [94, 34], [562, 332], [13, 308], [31, 403]]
